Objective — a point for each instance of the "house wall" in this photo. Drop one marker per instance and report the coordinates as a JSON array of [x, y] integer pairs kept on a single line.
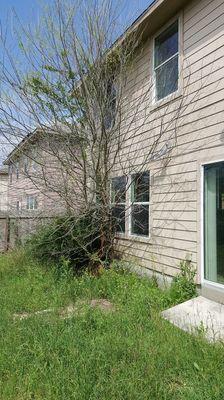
[[41, 174], [42, 178], [193, 126], [32, 184], [3, 192]]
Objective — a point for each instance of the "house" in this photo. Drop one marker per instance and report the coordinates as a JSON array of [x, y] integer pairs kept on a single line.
[[3, 207], [167, 186], [37, 182], [3, 189], [174, 207]]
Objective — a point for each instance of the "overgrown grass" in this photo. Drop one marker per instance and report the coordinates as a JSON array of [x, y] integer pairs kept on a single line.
[[131, 353]]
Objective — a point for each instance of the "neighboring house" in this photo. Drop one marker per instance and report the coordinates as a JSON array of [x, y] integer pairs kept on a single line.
[[3, 207], [37, 183], [3, 189], [175, 210]]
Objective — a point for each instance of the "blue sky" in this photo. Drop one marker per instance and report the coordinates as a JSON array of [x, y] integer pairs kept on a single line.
[[27, 10]]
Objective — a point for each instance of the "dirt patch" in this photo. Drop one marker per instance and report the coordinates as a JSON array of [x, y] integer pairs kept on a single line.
[[103, 304], [25, 315], [69, 311]]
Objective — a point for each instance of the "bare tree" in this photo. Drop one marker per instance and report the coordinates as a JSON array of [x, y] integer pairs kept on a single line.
[[74, 85]]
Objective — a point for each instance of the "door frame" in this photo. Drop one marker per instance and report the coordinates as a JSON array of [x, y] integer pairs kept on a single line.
[[205, 282]]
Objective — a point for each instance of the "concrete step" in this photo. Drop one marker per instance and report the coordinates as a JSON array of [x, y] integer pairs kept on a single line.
[[198, 315]]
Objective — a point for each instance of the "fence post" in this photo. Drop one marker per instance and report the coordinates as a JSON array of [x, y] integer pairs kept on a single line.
[[7, 232]]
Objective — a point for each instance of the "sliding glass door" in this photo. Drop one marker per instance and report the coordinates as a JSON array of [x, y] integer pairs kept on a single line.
[[214, 222]]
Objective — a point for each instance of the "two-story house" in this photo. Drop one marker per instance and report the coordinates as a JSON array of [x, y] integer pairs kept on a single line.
[[38, 182], [175, 209], [3, 189], [3, 207], [171, 198]]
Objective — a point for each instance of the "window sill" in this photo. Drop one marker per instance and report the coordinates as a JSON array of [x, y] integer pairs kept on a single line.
[[169, 99], [133, 238]]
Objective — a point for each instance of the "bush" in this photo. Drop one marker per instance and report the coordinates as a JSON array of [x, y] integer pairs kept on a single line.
[[70, 240], [183, 286]]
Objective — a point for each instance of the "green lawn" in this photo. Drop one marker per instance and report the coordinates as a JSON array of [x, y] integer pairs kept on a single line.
[[130, 353]]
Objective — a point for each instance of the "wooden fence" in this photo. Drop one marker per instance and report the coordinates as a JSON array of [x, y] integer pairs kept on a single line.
[[14, 230]]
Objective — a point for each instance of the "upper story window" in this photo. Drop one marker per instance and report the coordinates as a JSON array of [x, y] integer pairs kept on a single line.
[[118, 200], [26, 165], [18, 205], [34, 166], [17, 170], [166, 61], [110, 114], [10, 173], [31, 202]]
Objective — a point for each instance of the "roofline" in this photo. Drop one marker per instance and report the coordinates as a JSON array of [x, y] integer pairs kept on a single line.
[[149, 10], [20, 145], [135, 23], [154, 11]]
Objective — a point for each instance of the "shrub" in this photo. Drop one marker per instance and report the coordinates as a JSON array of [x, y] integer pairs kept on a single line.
[[183, 286], [71, 240]]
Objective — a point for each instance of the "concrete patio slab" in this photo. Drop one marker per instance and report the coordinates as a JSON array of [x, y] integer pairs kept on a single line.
[[198, 315]]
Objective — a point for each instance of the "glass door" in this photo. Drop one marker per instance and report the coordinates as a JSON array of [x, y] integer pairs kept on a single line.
[[214, 222]]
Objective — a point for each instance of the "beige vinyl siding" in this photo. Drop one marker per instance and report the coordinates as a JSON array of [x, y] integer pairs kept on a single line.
[[199, 130]]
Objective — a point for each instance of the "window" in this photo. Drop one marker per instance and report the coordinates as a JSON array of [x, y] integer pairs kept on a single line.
[[110, 106], [17, 205], [26, 165], [31, 203], [17, 170], [166, 62], [118, 199], [34, 166], [137, 204], [10, 173], [140, 204]]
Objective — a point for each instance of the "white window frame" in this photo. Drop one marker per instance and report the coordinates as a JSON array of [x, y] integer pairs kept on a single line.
[[178, 92], [205, 283], [34, 203], [128, 214], [132, 203]]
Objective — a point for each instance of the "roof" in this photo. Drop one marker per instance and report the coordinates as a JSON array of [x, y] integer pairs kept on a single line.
[[20, 145], [154, 17], [31, 135]]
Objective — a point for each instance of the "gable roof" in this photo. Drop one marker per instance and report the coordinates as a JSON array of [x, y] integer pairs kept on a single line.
[[21, 144], [33, 135]]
